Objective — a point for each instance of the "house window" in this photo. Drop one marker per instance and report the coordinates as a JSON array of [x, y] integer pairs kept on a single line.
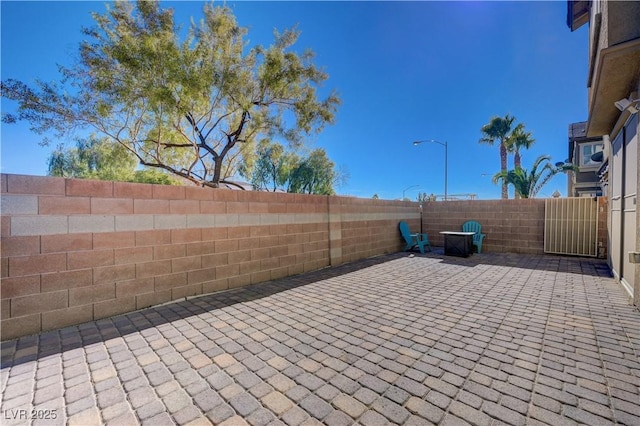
[[587, 150]]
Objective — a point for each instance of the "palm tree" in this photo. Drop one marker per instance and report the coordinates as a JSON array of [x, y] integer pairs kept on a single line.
[[499, 129], [518, 139], [528, 184]]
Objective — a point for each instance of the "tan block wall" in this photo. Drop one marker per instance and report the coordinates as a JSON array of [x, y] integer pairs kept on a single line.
[[511, 226], [361, 227], [515, 226], [78, 250]]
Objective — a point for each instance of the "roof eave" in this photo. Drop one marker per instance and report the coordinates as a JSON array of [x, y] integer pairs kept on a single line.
[[577, 13], [618, 71]]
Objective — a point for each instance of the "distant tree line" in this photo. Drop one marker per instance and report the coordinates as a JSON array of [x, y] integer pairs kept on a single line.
[[273, 168], [101, 159]]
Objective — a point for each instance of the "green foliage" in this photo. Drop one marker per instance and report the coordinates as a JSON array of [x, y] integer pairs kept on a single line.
[[424, 197], [528, 184], [103, 160], [274, 168], [314, 174], [497, 130], [271, 168], [519, 139], [510, 140], [93, 159], [154, 176], [192, 107]]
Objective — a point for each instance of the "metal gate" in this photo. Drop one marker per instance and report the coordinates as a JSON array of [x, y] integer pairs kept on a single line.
[[571, 226]]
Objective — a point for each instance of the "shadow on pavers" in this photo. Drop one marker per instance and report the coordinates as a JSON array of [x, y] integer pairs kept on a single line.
[[38, 346], [34, 347], [589, 266]]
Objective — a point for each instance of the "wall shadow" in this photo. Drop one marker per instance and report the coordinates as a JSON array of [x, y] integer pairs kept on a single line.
[[35, 347], [544, 262], [49, 343]]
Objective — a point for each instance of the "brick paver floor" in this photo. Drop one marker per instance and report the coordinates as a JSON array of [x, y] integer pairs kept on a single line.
[[399, 339]]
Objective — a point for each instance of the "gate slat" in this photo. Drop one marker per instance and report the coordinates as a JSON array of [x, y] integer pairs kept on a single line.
[[571, 226]]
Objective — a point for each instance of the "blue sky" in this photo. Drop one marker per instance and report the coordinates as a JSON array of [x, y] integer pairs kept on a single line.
[[405, 71]]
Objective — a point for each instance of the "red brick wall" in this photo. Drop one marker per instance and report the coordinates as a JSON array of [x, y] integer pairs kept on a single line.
[[78, 250]]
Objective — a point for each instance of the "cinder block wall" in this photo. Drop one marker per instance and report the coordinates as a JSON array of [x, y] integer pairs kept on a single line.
[[79, 250], [361, 227], [512, 226], [515, 226]]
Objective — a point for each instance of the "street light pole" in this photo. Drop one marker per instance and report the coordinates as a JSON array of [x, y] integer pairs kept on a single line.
[[407, 188], [416, 143]]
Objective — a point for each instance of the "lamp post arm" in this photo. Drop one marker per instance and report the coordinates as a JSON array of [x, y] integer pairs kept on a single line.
[[408, 188], [446, 161]]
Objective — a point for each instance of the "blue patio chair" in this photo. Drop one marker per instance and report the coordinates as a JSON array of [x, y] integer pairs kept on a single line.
[[473, 226], [413, 240]]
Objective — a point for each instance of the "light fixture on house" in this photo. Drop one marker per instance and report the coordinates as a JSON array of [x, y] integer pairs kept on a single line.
[[598, 157], [627, 105], [564, 163]]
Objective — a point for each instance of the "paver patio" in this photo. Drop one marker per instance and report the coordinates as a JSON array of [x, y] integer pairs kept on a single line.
[[492, 339]]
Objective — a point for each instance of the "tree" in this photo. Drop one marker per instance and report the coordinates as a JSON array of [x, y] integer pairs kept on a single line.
[[154, 176], [499, 129], [192, 108], [528, 184], [423, 197], [92, 159], [274, 168], [518, 140], [100, 159], [314, 174], [271, 168]]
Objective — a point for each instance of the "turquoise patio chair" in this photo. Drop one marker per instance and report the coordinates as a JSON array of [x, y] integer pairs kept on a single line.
[[473, 226], [413, 240]]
